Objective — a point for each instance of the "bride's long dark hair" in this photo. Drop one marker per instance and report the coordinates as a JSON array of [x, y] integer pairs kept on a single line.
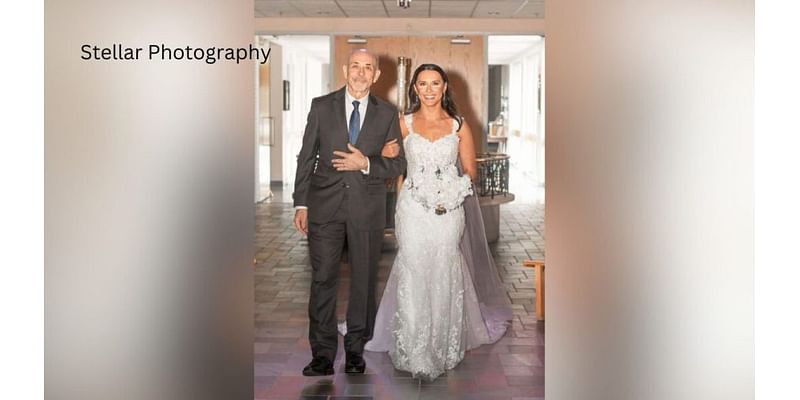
[[448, 104]]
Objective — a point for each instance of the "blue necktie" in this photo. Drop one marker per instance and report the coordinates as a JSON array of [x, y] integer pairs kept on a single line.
[[355, 122]]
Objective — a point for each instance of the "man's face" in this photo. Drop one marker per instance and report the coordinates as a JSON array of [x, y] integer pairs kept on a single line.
[[361, 72]]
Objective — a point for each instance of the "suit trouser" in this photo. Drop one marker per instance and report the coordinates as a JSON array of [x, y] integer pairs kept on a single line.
[[326, 242]]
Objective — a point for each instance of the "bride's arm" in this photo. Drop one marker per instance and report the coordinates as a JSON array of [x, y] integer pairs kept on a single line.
[[403, 127], [391, 149], [466, 152]]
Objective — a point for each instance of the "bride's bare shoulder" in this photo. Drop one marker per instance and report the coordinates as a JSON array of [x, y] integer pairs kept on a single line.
[[403, 126]]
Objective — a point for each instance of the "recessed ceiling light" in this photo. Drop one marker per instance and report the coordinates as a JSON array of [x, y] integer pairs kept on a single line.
[[356, 40]]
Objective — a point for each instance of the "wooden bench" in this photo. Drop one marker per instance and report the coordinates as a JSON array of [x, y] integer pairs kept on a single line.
[[538, 271]]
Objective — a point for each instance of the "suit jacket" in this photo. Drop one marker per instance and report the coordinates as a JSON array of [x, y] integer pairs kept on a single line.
[[321, 188]]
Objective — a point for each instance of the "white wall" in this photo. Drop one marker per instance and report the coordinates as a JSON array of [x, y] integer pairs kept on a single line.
[[526, 115], [305, 74], [276, 110]]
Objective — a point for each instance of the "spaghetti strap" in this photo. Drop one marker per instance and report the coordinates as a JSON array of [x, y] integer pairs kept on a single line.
[[409, 122]]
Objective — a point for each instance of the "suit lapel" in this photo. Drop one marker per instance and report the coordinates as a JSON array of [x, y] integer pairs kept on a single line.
[[369, 120], [340, 125]]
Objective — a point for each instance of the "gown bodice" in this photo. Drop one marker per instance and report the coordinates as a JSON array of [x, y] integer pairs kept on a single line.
[[432, 177]]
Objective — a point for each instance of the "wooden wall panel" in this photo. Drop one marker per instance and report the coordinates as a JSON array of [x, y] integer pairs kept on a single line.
[[263, 90], [463, 63]]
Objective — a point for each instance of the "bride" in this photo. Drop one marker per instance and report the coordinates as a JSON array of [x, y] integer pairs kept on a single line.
[[443, 295]]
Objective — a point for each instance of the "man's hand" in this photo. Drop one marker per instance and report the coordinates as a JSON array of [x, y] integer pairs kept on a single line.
[[301, 220], [390, 149], [353, 161]]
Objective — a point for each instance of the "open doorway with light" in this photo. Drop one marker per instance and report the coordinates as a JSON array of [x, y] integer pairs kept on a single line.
[[516, 110], [298, 70]]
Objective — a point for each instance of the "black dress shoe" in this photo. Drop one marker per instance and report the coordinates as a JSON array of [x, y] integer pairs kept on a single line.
[[354, 364], [319, 366]]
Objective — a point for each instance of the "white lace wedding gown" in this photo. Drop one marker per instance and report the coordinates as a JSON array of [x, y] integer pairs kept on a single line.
[[429, 314]]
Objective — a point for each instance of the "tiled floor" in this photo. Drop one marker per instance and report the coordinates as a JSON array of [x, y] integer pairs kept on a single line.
[[512, 368]]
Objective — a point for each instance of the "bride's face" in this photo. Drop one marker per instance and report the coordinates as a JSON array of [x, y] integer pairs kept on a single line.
[[430, 88]]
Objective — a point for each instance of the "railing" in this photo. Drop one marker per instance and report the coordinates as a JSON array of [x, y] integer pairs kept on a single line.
[[492, 174]]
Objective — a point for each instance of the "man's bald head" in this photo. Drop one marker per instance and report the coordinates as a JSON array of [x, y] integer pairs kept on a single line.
[[363, 51]]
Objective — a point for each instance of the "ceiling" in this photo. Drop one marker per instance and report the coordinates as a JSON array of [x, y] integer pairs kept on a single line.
[[502, 49], [389, 9]]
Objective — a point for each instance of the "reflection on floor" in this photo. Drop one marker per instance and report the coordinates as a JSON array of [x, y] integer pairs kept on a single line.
[[512, 368]]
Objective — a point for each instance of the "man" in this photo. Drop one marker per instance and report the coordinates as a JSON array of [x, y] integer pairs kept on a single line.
[[341, 198]]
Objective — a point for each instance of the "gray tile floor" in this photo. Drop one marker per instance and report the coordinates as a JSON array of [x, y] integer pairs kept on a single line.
[[512, 368]]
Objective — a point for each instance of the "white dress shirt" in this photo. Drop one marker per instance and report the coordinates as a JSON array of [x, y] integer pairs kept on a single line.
[[362, 112]]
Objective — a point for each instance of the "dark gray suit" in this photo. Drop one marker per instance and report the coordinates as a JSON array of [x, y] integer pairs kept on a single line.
[[344, 207]]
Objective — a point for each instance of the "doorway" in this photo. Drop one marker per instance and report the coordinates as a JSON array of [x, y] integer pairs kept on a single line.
[[298, 70], [516, 110]]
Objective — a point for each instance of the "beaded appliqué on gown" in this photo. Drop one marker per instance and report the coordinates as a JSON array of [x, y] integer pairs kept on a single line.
[[432, 177]]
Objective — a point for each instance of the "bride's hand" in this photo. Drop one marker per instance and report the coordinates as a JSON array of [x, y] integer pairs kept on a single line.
[[391, 149]]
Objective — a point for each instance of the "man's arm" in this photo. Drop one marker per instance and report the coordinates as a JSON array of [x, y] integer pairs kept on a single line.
[[383, 167], [307, 158], [305, 167]]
